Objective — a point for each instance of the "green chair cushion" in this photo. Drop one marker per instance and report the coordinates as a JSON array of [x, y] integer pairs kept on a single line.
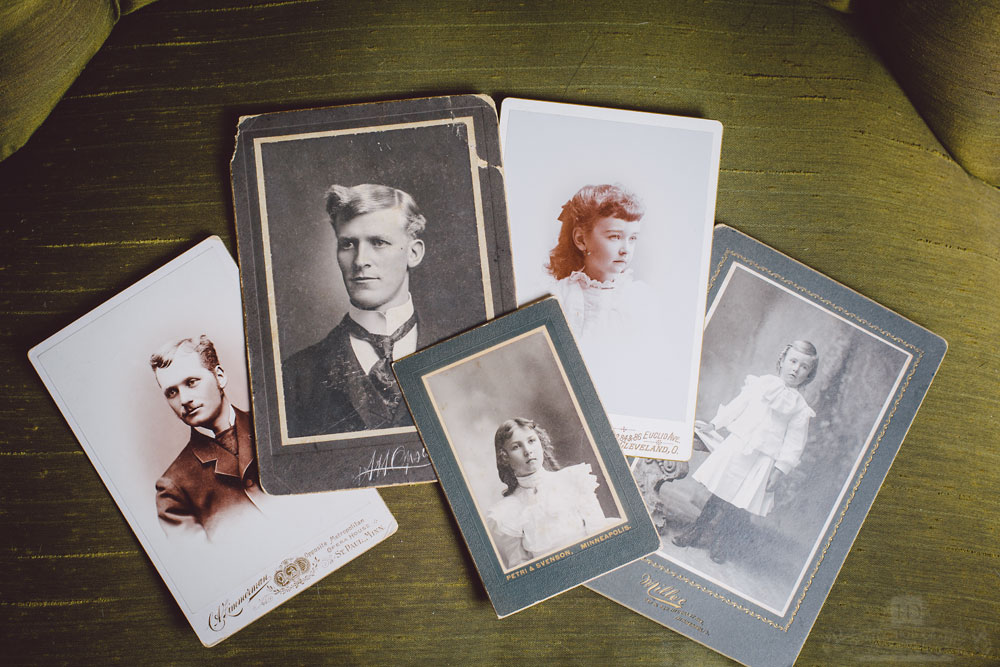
[[946, 57], [44, 46]]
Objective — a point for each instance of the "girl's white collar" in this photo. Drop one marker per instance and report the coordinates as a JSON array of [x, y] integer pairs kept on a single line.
[[582, 278], [534, 479]]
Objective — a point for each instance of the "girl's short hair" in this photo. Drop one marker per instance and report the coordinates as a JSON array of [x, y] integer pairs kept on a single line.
[[503, 436], [805, 347], [346, 203], [587, 206]]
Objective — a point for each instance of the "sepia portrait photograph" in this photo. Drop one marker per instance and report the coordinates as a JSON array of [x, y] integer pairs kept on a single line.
[[528, 457], [611, 211], [791, 399], [154, 384]]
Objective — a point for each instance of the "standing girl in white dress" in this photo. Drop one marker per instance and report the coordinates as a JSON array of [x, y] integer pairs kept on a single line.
[[767, 423], [614, 317], [544, 507]]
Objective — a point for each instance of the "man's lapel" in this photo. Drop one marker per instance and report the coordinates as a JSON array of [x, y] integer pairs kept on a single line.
[[206, 449], [244, 441], [424, 334]]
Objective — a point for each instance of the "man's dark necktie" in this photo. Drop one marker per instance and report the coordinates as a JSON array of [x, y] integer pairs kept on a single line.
[[381, 373], [228, 441]]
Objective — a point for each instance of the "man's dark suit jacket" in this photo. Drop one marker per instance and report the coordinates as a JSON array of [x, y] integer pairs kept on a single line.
[[327, 391], [206, 482]]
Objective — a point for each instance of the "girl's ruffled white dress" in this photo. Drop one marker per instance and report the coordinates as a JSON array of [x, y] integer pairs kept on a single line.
[[768, 423], [548, 510], [617, 324]]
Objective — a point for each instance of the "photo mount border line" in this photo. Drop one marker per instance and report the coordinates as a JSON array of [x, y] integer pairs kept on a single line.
[[914, 363]]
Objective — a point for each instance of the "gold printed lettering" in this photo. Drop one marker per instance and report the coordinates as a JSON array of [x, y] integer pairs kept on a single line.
[[668, 595]]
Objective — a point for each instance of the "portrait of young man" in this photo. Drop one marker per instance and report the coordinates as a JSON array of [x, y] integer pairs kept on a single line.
[[344, 382], [366, 233], [160, 411], [215, 474]]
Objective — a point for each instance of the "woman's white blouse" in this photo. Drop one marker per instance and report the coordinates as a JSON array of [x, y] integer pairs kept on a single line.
[[598, 310]]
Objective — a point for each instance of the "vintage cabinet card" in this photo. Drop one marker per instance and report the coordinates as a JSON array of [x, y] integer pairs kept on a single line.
[[154, 385], [526, 456], [807, 390], [365, 232], [611, 211]]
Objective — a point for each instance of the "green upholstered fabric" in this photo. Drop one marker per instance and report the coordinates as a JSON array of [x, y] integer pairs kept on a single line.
[[129, 6], [946, 56], [824, 157], [44, 45]]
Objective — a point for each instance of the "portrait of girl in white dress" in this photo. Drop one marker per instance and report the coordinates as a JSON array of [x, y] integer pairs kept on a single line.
[[767, 425], [615, 317], [544, 507]]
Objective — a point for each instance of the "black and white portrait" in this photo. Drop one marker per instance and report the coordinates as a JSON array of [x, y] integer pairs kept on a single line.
[[611, 212], [790, 399], [375, 239], [524, 449]]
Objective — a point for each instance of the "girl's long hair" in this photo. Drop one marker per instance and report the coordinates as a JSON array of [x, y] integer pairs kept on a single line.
[[501, 438]]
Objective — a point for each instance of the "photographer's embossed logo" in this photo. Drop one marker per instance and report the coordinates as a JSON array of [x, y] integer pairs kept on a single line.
[[293, 572]]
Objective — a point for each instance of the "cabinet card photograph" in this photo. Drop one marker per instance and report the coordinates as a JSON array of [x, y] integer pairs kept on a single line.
[[366, 232], [611, 211], [806, 392], [153, 384], [526, 457]]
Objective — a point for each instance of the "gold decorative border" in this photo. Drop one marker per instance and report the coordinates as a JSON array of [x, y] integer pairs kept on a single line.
[[918, 354]]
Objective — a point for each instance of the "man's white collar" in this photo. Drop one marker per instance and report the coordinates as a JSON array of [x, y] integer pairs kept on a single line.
[[383, 323], [209, 432]]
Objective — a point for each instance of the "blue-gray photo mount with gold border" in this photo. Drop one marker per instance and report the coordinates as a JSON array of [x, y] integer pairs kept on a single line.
[[620, 544], [665, 591]]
